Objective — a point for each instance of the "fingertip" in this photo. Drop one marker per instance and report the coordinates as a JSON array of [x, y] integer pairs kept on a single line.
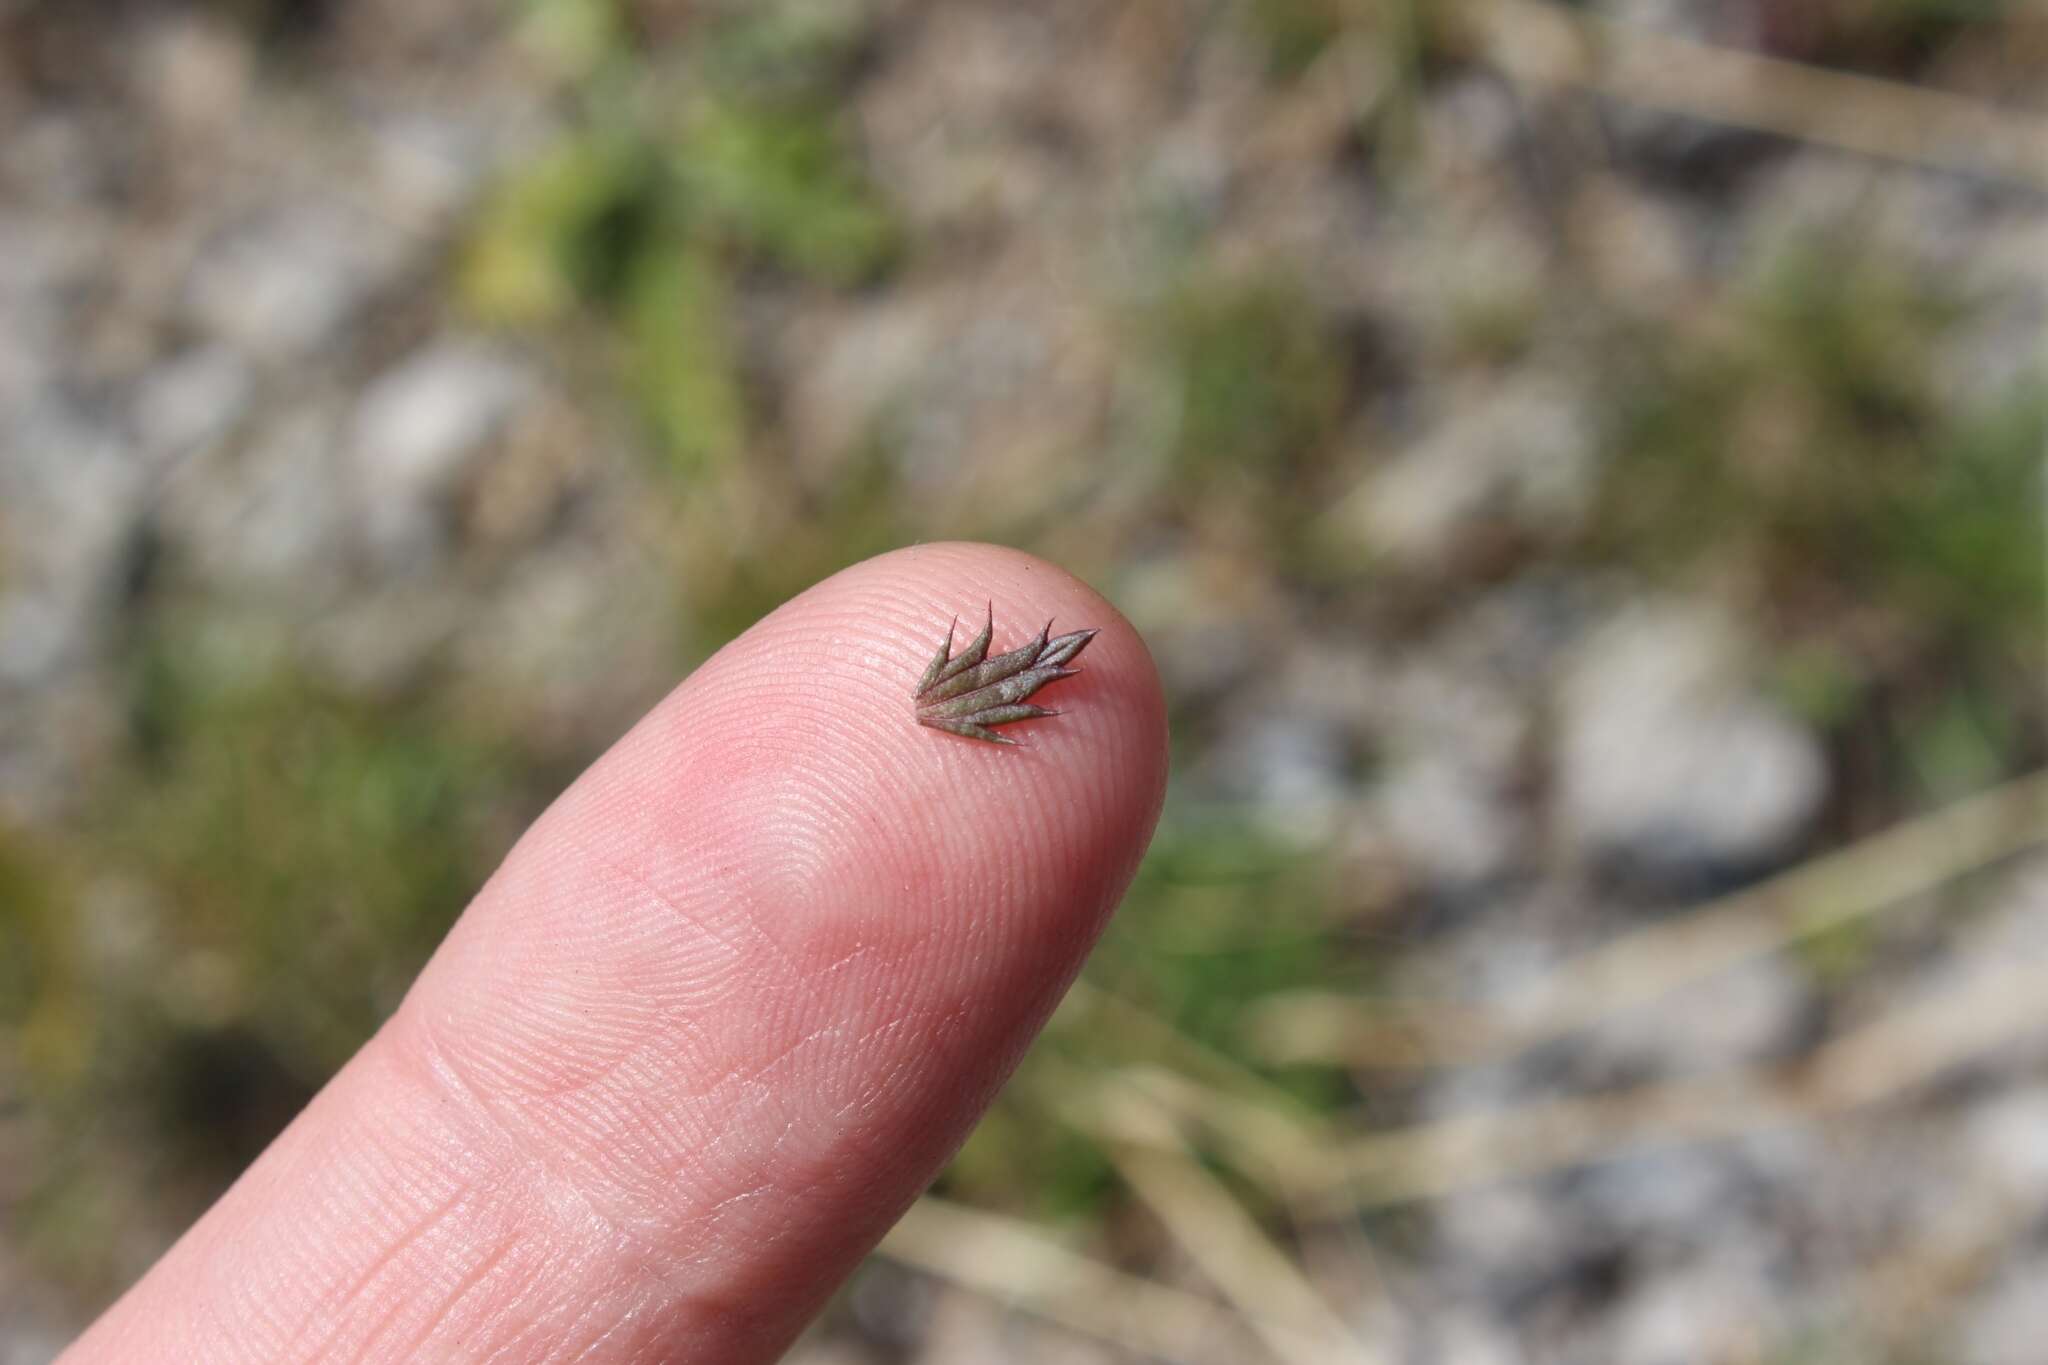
[[723, 1012], [1020, 847]]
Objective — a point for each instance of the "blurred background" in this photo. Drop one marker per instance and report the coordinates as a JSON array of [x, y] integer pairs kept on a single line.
[[1579, 468]]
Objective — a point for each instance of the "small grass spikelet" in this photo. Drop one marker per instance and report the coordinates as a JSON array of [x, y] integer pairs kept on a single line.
[[970, 693]]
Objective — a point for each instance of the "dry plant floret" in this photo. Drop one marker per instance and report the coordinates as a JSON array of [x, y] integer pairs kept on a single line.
[[970, 694]]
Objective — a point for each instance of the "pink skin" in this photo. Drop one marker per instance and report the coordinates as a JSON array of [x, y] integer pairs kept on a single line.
[[716, 1021]]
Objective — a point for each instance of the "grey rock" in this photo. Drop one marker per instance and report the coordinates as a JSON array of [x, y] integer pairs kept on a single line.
[[1454, 726], [1670, 758], [1448, 702], [1676, 1200], [848, 368], [1448, 819], [1725, 1309], [1291, 751], [70, 496], [1744, 1015], [1464, 1339], [32, 1332], [579, 657], [415, 435], [1520, 452], [57, 156], [37, 263], [290, 278], [2007, 1141], [195, 70], [1708, 20], [2009, 1322], [1498, 1239], [377, 642], [1289, 766], [1992, 354], [271, 518], [431, 165], [190, 401]]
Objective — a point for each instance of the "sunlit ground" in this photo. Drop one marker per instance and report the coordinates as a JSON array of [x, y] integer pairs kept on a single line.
[[1579, 470]]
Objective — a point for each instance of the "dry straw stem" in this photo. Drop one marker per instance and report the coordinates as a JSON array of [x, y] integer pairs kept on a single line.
[[1271, 1146], [1101, 1014], [1320, 1027], [1928, 1277], [1299, 1162], [1216, 1233], [1894, 1054], [1821, 894], [1025, 1267], [1544, 44]]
